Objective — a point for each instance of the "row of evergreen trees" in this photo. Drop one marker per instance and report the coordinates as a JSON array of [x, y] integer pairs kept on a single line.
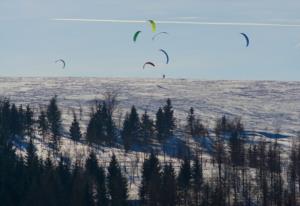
[[136, 130], [161, 186], [16, 122], [35, 182], [101, 128], [239, 174]]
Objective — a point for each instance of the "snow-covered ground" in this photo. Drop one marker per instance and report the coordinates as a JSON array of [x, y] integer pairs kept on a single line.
[[263, 105]]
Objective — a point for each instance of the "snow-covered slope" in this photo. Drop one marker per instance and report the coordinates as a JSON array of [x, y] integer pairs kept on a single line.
[[263, 105]]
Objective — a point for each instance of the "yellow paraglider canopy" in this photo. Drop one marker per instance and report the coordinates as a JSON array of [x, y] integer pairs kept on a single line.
[[153, 25]]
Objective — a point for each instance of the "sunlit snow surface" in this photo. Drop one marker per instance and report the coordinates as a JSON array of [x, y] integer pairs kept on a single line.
[[263, 105]]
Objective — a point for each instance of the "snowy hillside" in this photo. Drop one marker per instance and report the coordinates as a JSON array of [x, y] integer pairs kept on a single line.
[[263, 105]]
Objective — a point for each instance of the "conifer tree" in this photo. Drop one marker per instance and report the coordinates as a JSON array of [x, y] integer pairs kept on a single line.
[[55, 122], [101, 127], [135, 125], [31, 156], [147, 130], [159, 125], [16, 123], [29, 121], [97, 179], [43, 126], [194, 127], [126, 133], [197, 181], [5, 120], [219, 154], [117, 184], [88, 199], [236, 145], [75, 132], [191, 120], [184, 182], [110, 130], [131, 133], [151, 181], [168, 191], [63, 176], [292, 174], [169, 119], [94, 129]]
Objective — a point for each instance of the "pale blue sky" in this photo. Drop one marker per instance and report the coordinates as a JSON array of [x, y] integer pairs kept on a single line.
[[30, 41]]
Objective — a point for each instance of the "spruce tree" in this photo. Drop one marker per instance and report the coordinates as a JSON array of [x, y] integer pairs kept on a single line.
[[131, 133], [31, 156], [147, 130], [75, 132], [80, 193], [29, 121], [63, 176], [197, 180], [43, 126], [103, 117], [151, 181], [55, 122], [101, 127], [16, 123], [93, 129], [191, 120], [236, 145], [168, 193], [111, 130], [184, 182], [5, 120], [96, 177], [135, 125], [91, 165], [102, 199], [117, 184], [169, 118], [219, 153], [160, 125], [126, 133], [88, 199], [292, 174], [194, 127]]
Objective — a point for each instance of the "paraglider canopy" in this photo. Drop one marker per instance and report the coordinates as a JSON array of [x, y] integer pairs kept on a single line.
[[160, 33], [62, 61], [135, 36], [246, 38], [166, 54], [153, 25], [148, 63]]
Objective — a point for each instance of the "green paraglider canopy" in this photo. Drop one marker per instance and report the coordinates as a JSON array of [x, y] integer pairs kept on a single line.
[[135, 36]]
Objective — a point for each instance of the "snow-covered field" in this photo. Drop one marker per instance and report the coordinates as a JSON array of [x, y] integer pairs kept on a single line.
[[263, 105]]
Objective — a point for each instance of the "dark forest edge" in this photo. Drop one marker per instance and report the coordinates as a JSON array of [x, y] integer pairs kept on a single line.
[[242, 174]]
